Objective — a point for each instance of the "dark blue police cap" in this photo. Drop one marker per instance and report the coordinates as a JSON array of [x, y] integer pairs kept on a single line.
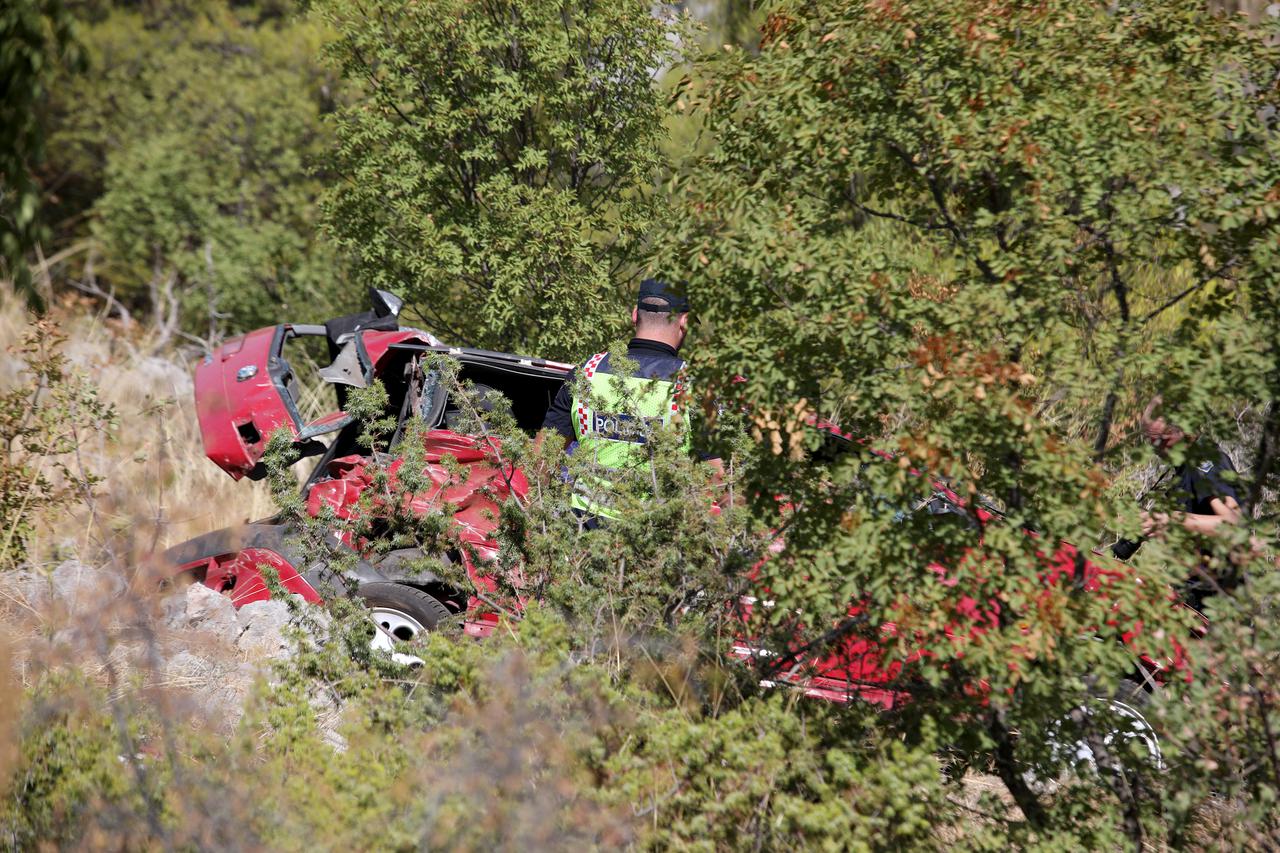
[[673, 302]]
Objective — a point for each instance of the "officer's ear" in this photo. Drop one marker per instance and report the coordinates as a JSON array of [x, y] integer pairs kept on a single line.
[[635, 316], [684, 322]]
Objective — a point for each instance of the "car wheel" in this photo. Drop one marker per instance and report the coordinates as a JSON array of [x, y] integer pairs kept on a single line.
[[1121, 732], [1131, 703], [402, 613]]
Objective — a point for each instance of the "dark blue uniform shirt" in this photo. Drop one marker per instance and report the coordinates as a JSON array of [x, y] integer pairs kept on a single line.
[[1199, 483]]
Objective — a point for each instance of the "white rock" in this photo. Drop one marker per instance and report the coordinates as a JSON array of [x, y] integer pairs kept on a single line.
[[188, 670], [83, 587], [24, 588], [210, 611], [173, 609], [262, 630], [208, 692]]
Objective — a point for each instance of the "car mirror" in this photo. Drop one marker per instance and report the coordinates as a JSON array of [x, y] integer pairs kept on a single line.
[[385, 303]]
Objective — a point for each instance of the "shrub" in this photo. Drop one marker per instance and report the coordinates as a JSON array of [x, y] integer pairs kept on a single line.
[[192, 144], [42, 420], [957, 229]]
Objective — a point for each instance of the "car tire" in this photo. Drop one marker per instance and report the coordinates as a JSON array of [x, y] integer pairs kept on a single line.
[[1127, 705], [404, 612], [1136, 700], [1131, 692]]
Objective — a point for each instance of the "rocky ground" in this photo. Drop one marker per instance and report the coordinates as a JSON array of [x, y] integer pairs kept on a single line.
[[189, 643]]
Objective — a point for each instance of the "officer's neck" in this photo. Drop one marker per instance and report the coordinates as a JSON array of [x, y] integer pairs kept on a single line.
[[672, 337], [666, 340]]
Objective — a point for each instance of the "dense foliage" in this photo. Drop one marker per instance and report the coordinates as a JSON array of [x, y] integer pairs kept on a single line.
[[966, 229], [35, 36], [194, 140], [500, 167], [976, 236]]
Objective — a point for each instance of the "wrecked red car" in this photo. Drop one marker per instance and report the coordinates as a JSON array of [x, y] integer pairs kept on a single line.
[[247, 389]]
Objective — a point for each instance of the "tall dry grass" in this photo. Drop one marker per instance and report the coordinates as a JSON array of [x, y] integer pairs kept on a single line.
[[97, 683], [158, 488]]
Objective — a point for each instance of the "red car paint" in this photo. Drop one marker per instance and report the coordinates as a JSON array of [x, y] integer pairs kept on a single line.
[[378, 344], [475, 499], [242, 397], [239, 575], [861, 667], [238, 414]]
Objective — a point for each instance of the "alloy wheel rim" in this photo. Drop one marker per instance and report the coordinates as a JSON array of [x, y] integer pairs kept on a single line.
[[394, 626]]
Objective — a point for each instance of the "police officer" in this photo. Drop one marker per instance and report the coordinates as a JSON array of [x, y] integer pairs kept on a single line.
[[603, 424], [1203, 485]]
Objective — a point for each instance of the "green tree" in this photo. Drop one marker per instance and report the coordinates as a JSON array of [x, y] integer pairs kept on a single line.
[[978, 233], [35, 37], [499, 168], [192, 145]]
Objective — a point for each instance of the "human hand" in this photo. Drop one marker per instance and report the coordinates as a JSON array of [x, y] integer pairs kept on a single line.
[[1154, 524]]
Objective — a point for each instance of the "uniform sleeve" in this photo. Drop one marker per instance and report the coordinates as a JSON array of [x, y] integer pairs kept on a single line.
[[1199, 484], [560, 416], [1224, 486], [1125, 548]]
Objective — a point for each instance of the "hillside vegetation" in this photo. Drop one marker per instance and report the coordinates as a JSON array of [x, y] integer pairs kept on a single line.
[[977, 237]]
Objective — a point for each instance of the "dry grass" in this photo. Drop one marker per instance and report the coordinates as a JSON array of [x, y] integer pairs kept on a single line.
[[158, 488]]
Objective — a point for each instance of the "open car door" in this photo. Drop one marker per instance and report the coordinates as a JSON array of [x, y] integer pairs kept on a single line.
[[247, 389]]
